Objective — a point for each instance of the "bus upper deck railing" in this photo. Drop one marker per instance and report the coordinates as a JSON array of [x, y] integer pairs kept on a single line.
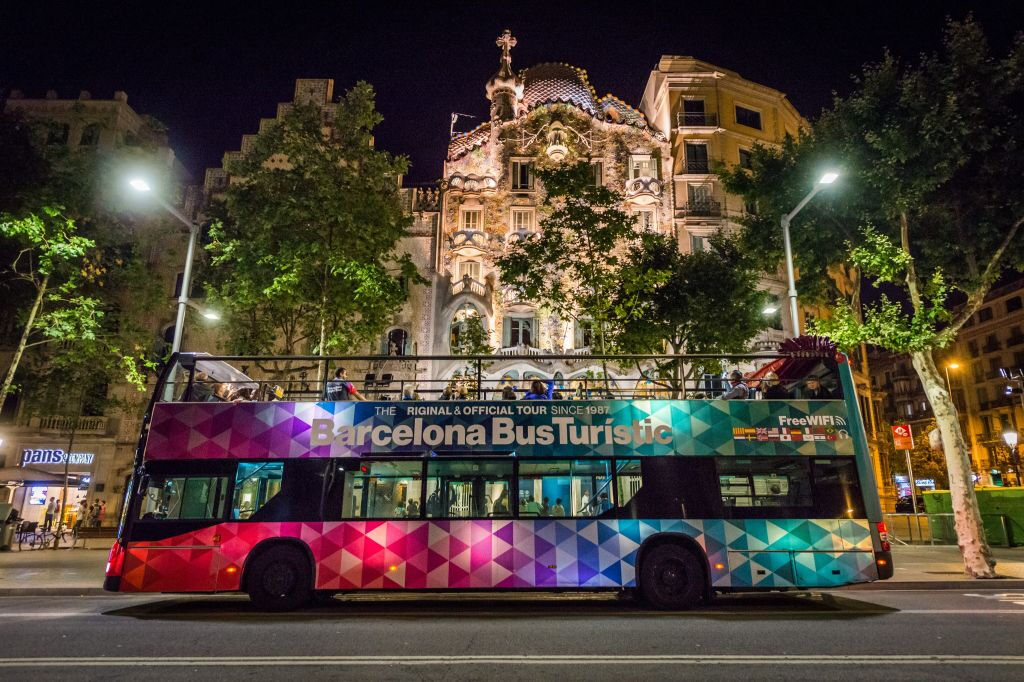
[[208, 378]]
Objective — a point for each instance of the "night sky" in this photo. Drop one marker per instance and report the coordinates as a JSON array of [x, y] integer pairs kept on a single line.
[[211, 70]]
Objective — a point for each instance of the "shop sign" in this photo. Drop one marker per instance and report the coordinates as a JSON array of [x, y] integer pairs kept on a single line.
[[34, 456], [37, 494], [83, 482]]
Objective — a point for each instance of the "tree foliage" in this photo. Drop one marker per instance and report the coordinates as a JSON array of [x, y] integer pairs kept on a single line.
[[574, 264], [305, 249], [701, 302]]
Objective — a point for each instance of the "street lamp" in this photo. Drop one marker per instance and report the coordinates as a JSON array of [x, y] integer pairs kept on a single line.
[[140, 185], [826, 179], [954, 366], [1011, 441]]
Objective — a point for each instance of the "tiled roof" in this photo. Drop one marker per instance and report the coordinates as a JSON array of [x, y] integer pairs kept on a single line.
[[466, 142], [550, 83], [618, 111]]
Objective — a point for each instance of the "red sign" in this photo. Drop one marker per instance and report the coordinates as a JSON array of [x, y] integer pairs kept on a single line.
[[903, 437]]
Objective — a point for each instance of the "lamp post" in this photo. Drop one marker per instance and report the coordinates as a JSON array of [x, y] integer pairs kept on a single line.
[[140, 185], [826, 179], [1011, 441], [949, 366]]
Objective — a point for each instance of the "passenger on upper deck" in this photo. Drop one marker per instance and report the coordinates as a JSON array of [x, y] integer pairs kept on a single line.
[[739, 390], [813, 390], [772, 389], [339, 388], [539, 392]]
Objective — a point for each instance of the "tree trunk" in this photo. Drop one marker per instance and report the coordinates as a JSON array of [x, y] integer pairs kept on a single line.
[[23, 341], [970, 533]]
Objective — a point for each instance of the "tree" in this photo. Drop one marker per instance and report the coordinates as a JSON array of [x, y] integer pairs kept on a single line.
[[701, 302], [305, 253], [472, 338], [574, 264], [933, 154]]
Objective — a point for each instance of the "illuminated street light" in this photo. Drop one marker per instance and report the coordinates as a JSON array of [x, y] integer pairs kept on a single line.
[[826, 179], [770, 309], [950, 366], [141, 185]]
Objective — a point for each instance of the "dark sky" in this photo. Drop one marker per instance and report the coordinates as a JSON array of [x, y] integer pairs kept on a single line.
[[210, 70]]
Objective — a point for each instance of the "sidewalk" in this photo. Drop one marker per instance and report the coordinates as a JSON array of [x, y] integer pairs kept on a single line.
[[80, 571]]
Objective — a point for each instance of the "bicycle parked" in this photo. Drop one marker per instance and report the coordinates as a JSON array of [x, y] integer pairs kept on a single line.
[[29, 534]]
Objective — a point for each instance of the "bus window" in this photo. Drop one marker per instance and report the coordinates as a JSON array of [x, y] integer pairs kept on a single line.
[[837, 492], [255, 484], [564, 488], [460, 489], [383, 490], [628, 479], [667, 488], [184, 497], [765, 487]]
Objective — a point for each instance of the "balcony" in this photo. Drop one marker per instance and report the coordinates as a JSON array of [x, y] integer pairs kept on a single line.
[[992, 347], [700, 209], [696, 119], [459, 184], [467, 283], [96, 426], [697, 167], [521, 349], [643, 190], [1014, 341], [472, 242]]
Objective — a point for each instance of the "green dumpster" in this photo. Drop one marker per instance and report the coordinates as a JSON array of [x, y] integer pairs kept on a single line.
[[994, 504]]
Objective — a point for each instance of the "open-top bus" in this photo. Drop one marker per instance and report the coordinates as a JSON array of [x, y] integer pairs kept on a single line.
[[675, 497]]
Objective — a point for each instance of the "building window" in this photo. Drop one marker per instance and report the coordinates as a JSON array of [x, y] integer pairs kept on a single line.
[[643, 167], [58, 133], [985, 314], [693, 113], [472, 219], [397, 342], [90, 136], [746, 159], [460, 322], [748, 117], [518, 331], [972, 348], [750, 206], [522, 220], [598, 168], [645, 219], [696, 158], [584, 333], [469, 268], [978, 371], [522, 176], [1013, 304], [982, 394], [698, 243]]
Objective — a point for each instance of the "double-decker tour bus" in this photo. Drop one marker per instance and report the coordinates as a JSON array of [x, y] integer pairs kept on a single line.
[[673, 492]]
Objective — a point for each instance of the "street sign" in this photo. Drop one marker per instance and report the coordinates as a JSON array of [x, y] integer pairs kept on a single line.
[[903, 437]]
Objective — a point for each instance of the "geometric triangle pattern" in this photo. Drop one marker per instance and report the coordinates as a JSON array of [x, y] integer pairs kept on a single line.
[[653, 428], [493, 553]]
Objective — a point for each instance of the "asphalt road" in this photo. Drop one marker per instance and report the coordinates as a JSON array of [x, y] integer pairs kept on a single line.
[[835, 635]]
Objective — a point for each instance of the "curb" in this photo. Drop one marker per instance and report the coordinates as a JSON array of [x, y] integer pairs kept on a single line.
[[52, 591], [969, 585]]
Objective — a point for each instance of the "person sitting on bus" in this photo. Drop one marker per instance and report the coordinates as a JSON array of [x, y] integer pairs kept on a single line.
[[409, 392], [500, 507], [558, 509], [603, 504], [339, 388], [774, 390], [413, 509], [538, 391], [738, 390], [508, 393], [813, 390]]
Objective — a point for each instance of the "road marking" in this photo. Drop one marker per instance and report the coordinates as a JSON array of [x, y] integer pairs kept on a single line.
[[383, 660]]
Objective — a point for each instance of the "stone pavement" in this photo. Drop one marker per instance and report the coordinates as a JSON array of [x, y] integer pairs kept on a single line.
[[80, 571]]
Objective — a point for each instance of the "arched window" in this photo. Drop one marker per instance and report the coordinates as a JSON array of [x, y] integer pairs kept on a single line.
[[397, 342], [90, 136], [471, 268]]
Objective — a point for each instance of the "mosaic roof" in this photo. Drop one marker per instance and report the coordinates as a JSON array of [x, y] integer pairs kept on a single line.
[[554, 83], [467, 142]]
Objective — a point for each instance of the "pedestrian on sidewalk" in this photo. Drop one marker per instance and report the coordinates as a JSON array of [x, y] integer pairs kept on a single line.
[[101, 514], [83, 514], [51, 507]]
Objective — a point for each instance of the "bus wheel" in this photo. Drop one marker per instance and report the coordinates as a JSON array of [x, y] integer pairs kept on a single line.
[[672, 578], [279, 580]]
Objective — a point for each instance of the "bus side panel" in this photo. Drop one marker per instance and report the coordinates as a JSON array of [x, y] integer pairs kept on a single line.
[[500, 553]]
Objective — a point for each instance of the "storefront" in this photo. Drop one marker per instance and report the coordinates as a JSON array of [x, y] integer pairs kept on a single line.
[[40, 477]]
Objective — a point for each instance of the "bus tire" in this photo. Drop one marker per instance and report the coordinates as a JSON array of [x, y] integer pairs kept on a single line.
[[672, 578], [280, 579]]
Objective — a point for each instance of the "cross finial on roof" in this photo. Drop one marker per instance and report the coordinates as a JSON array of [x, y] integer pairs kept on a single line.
[[506, 41]]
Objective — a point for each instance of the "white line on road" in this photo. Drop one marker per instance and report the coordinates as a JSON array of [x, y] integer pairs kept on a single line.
[[383, 660]]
